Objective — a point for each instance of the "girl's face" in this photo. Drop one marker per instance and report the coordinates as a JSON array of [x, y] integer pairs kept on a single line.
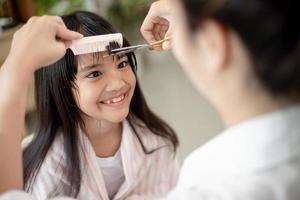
[[105, 87]]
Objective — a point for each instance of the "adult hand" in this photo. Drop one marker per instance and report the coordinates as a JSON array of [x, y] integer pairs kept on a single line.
[[41, 41], [157, 24]]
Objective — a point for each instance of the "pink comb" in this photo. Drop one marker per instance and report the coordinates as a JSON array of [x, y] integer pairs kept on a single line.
[[96, 43]]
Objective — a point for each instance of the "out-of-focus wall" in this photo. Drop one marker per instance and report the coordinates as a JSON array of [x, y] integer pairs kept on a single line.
[[171, 95]]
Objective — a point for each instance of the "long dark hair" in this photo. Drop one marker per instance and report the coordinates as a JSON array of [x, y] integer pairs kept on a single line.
[[58, 112], [270, 31]]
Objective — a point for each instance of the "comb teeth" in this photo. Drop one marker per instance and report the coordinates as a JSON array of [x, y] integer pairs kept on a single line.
[[97, 43]]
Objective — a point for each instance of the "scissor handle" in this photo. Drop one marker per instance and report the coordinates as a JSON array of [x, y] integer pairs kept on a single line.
[[160, 42]]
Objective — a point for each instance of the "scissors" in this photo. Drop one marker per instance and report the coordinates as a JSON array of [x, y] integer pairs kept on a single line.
[[129, 49]]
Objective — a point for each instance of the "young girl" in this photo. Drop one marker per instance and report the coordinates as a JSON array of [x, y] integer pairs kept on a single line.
[[97, 138]]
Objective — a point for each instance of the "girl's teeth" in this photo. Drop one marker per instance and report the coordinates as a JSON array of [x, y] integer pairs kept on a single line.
[[115, 100]]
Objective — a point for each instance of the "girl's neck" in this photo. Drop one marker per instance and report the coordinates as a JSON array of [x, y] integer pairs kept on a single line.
[[104, 136]]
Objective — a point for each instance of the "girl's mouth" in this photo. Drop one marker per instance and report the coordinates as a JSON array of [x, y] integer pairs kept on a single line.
[[116, 101]]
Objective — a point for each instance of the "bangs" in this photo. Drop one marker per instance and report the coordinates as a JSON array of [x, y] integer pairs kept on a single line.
[[89, 24]]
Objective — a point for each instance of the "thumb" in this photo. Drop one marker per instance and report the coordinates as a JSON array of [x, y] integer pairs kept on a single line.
[[65, 34], [55, 53]]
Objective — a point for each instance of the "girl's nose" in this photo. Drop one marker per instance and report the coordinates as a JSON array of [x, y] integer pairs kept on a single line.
[[115, 84]]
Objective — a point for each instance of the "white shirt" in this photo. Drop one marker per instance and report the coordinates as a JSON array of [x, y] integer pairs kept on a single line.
[[258, 159], [112, 172]]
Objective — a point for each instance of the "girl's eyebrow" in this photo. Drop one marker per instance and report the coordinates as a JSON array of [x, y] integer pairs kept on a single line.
[[88, 67], [119, 57], [91, 66]]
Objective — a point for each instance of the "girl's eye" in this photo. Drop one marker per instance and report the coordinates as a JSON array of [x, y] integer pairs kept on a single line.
[[94, 74], [123, 64]]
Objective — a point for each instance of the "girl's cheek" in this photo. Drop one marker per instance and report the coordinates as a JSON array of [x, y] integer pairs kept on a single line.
[[131, 77], [134, 80], [93, 91], [89, 93]]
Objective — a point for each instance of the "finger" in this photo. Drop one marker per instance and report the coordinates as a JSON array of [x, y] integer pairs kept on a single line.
[[65, 34], [149, 37], [147, 33], [160, 20], [162, 33], [150, 21], [147, 26], [58, 19], [60, 50], [157, 9], [156, 31], [32, 20], [61, 47], [165, 27]]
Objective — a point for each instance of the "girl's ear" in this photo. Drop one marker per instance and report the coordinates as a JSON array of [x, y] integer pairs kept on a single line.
[[213, 42]]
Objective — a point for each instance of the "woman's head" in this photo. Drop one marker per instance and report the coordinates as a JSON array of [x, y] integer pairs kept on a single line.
[[78, 89], [266, 30]]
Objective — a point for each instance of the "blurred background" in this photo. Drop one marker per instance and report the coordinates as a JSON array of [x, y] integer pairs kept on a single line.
[[167, 89]]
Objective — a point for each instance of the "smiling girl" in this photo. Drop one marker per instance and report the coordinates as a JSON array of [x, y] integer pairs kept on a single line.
[[97, 138]]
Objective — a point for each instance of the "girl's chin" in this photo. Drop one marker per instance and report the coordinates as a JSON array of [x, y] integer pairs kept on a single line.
[[120, 118], [117, 118]]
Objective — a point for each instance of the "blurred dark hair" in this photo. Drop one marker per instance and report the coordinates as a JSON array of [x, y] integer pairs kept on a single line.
[[58, 112], [270, 31]]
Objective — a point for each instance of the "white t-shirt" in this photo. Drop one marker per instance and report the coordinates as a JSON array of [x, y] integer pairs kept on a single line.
[[113, 173], [258, 159]]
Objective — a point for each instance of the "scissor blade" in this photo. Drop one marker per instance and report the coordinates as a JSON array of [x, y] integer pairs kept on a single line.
[[128, 49]]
